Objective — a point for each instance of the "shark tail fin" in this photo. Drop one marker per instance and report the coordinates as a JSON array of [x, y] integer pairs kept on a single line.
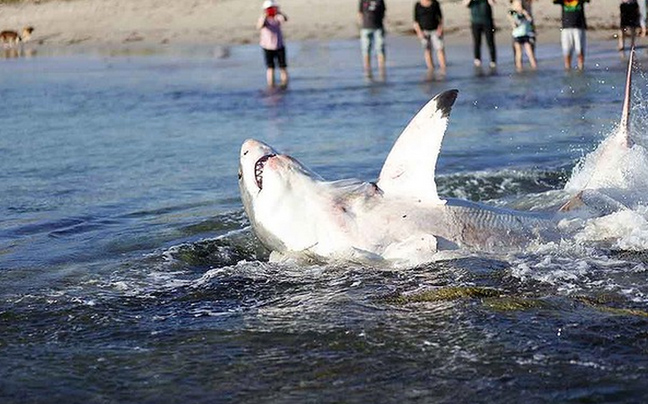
[[620, 141]]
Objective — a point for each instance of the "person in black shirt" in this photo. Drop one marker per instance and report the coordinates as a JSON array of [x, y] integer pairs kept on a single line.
[[371, 14], [428, 24], [629, 10]]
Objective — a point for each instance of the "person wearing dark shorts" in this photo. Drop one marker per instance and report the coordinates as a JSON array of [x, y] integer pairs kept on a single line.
[[630, 21], [481, 21], [272, 43], [278, 55], [523, 34]]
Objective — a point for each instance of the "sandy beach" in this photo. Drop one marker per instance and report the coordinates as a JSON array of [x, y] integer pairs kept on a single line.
[[230, 22]]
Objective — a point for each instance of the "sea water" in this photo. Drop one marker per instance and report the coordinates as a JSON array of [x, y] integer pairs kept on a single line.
[[129, 273]]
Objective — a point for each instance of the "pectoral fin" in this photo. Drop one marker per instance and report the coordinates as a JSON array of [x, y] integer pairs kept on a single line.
[[418, 249]]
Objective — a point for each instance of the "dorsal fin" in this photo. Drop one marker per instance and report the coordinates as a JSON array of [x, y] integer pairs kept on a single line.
[[410, 165], [624, 125]]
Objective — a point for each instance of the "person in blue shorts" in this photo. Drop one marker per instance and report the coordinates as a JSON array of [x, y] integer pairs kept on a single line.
[[371, 14]]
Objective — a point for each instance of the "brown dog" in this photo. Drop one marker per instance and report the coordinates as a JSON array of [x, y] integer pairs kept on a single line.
[[11, 38]]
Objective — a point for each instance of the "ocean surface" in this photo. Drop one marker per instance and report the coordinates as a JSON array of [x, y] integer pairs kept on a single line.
[[129, 273]]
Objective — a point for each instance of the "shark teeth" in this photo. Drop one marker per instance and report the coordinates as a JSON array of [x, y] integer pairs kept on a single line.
[[258, 169]]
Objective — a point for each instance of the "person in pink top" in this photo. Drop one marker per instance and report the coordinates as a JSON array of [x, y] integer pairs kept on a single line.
[[272, 42]]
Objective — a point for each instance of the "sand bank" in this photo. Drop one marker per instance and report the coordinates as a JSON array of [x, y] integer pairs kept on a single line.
[[228, 22]]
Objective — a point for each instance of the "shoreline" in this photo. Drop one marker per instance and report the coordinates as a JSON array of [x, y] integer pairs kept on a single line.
[[119, 24]]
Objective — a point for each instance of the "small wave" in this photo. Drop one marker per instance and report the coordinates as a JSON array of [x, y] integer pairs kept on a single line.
[[488, 185], [226, 250], [571, 269], [55, 227]]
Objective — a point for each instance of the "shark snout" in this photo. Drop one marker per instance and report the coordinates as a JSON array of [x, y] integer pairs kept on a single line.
[[255, 149]]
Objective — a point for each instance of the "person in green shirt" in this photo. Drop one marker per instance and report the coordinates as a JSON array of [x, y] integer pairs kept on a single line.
[[572, 33], [481, 21]]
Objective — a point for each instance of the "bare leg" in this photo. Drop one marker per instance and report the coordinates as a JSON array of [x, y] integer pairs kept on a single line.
[[381, 65], [366, 59], [621, 39], [427, 53], [642, 16], [581, 61], [283, 73], [442, 59], [568, 62], [633, 35], [531, 55], [518, 56], [270, 77]]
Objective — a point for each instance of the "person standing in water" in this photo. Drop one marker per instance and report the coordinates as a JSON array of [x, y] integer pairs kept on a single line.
[[642, 16], [272, 43], [630, 16], [523, 34], [371, 14], [527, 5], [572, 33], [428, 24], [481, 21]]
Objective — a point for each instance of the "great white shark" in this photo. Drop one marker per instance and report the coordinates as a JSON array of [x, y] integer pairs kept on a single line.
[[400, 218]]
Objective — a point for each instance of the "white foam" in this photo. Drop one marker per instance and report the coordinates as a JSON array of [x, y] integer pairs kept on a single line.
[[615, 170], [621, 173], [623, 230], [563, 271], [618, 171]]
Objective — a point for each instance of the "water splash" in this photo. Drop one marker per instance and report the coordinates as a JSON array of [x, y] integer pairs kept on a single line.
[[617, 170], [618, 163]]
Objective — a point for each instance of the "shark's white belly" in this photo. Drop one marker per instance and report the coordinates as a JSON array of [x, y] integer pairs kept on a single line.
[[395, 229], [456, 224]]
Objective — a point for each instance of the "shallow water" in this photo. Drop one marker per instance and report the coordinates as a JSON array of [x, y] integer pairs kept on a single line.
[[128, 272]]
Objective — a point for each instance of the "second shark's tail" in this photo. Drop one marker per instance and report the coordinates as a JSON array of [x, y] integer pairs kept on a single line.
[[620, 141], [624, 125]]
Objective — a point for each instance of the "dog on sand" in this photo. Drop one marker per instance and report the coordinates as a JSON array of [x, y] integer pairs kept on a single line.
[[13, 38]]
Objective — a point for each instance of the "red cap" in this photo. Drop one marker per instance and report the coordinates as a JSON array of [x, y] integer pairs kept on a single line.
[[271, 11]]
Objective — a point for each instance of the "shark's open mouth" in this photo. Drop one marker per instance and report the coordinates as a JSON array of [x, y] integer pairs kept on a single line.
[[258, 169]]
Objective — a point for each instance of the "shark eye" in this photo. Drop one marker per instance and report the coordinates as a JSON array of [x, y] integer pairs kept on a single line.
[[246, 152]]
